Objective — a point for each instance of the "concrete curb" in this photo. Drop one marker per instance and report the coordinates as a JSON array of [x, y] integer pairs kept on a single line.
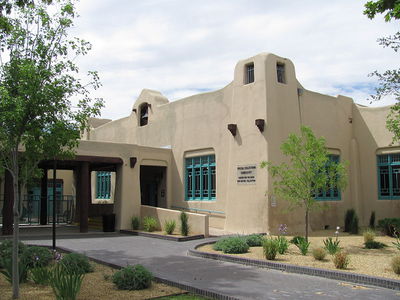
[[330, 274], [163, 237]]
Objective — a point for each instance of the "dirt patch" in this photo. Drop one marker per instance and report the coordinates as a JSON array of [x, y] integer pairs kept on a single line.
[[94, 286], [375, 262]]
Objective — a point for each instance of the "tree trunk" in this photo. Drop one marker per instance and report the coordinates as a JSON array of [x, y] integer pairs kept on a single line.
[[15, 269], [307, 224]]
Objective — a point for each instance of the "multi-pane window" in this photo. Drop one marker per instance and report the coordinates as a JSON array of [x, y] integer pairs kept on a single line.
[[249, 76], [280, 72], [103, 185], [200, 178], [331, 192], [389, 176]]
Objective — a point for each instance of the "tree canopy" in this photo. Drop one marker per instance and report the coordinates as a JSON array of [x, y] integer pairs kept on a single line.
[[391, 9]]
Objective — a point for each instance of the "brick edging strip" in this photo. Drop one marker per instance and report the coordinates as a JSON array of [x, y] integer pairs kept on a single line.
[[163, 237], [330, 274], [190, 289]]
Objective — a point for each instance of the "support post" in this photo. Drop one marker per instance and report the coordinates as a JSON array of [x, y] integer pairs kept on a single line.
[[8, 204], [43, 198], [54, 203], [84, 185]]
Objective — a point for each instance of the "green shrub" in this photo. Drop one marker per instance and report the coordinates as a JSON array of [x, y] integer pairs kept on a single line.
[[319, 253], [303, 246], [40, 275], [170, 226], [397, 242], [135, 223], [235, 245], [348, 218], [369, 235], [283, 244], [35, 256], [270, 248], [7, 270], [184, 224], [372, 220], [396, 264], [354, 225], [389, 226], [341, 260], [132, 278], [149, 224], [297, 239], [219, 245], [6, 250], [254, 240], [76, 263], [65, 285], [332, 246], [374, 245]]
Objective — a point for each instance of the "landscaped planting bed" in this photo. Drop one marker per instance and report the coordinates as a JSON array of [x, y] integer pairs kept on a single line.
[[374, 262]]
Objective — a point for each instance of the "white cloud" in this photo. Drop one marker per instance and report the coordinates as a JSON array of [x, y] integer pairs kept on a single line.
[[180, 47]]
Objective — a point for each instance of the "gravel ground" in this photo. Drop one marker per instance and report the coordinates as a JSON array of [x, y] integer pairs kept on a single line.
[[375, 262]]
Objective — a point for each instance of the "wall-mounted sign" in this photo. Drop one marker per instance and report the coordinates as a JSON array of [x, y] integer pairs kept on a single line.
[[246, 174]]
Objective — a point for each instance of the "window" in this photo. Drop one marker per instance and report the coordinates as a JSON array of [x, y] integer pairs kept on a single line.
[[280, 72], [249, 76], [200, 178], [389, 176], [103, 185], [144, 114], [331, 192]]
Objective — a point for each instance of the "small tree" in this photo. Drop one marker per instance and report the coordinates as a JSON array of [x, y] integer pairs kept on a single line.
[[309, 172]]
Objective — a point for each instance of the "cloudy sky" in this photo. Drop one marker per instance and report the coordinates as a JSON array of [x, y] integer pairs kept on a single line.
[[185, 47]]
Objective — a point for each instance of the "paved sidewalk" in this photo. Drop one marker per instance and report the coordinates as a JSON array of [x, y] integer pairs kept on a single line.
[[169, 260]]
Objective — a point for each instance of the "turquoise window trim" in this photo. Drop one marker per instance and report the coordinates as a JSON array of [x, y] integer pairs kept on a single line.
[[200, 173], [329, 195], [388, 161], [103, 185]]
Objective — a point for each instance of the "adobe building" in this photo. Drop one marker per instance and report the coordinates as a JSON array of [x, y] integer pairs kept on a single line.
[[202, 154]]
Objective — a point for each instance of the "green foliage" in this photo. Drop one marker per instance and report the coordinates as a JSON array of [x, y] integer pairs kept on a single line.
[[35, 256], [369, 235], [270, 248], [372, 220], [184, 224], [396, 264], [390, 226], [308, 173], [149, 224], [132, 278], [7, 270], [254, 240], [170, 226], [135, 223], [303, 246], [40, 275], [283, 244], [374, 245], [348, 219], [341, 260], [331, 246], [65, 285], [297, 240], [219, 245], [6, 250], [319, 253], [354, 225], [397, 242], [76, 263], [234, 245], [391, 9]]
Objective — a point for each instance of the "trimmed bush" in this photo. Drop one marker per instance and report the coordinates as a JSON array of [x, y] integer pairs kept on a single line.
[[76, 263], [34, 256], [219, 245], [6, 250], [184, 224], [283, 244], [319, 253], [372, 220], [369, 235], [132, 278], [389, 226], [354, 225], [254, 240], [149, 224], [348, 218], [235, 245], [341, 260], [270, 248], [396, 264], [135, 223], [374, 245], [169, 226]]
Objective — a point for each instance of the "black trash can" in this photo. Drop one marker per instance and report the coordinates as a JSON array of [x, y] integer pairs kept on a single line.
[[109, 223]]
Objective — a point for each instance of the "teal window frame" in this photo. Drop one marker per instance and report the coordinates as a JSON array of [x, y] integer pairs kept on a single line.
[[331, 194], [388, 173], [103, 185], [200, 178]]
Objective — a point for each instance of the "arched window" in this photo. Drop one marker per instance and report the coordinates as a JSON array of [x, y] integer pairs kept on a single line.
[[144, 114]]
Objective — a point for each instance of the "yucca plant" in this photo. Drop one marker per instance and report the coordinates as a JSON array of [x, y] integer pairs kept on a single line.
[[170, 226], [65, 285], [40, 275], [7, 270]]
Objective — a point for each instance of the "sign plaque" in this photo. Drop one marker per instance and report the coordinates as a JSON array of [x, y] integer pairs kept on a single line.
[[246, 174]]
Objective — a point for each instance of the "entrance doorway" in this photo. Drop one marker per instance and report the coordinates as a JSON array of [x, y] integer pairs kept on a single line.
[[153, 185]]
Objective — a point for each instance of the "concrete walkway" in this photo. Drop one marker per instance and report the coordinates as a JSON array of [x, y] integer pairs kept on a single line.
[[169, 260]]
